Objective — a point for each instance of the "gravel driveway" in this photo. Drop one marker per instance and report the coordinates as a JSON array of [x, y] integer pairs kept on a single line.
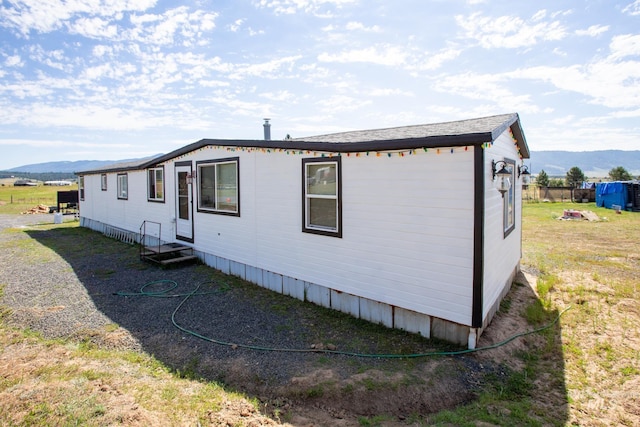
[[74, 282], [68, 288]]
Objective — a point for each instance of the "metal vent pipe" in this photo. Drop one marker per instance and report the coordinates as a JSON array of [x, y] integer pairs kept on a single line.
[[267, 130]]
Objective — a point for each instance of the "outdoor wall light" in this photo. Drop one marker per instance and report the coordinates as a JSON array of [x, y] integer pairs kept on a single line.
[[503, 174], [190, 177], [524, 171]]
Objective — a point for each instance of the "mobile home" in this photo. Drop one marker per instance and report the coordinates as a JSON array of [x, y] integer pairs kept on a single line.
[[413, 227]]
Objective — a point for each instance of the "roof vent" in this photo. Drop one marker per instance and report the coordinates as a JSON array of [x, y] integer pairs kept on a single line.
[[267, 130]]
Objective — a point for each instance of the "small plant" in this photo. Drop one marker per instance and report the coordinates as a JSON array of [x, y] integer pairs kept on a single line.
[[315, 391], [374, 421]]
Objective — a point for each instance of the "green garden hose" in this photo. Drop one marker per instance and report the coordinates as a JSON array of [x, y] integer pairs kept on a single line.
[[164, 293]]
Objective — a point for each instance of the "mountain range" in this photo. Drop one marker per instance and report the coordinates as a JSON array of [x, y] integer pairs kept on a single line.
[[594, 164]]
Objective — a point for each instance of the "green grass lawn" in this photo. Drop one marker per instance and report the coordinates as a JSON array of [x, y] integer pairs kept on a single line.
[[15, 200], [583, 371]]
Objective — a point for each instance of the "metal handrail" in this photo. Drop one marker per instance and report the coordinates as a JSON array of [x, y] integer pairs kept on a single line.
[[143, 235]]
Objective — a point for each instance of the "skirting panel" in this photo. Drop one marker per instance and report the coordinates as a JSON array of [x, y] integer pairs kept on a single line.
[[359, 307]]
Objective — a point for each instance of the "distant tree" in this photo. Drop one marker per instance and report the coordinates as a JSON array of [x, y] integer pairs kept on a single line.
[[575, 177], [619, 174], [542, 179], [556, 182]]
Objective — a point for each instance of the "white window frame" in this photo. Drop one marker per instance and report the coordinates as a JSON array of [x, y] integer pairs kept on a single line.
[[103, 182], [215, 164], [307, 198], [123, 186], [152, 184]]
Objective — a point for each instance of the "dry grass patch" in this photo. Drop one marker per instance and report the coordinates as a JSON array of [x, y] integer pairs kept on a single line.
[[594, 269], [64, 383]]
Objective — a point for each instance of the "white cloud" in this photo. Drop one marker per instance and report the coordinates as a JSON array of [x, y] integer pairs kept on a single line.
[[289, 7], [483, 86], [164, 29], [559, 52], [235, 26], [110, 70], [100, 51], [359, 26], [606, 82], [241, 108], [539, 15], [253, 32], [436, 60], [265, 69], [14, 61], [381, 55], [632, 9], [593, 31], [44, 16], [625, 45], [94, 28], [509, 31], [390, 92], [341, 104], [281, 96], [55, 143]]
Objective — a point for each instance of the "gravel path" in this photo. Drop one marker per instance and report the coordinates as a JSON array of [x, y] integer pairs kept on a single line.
[[67, 287], [74, 282], [64, 282]]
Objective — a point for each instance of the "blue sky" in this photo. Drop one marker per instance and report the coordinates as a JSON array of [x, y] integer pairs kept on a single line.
[[120, 79]]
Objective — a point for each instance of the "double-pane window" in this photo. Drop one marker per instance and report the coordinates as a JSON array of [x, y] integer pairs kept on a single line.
[[218, 190], [509, 218], [123, 186], [155, 181], [321, 204]]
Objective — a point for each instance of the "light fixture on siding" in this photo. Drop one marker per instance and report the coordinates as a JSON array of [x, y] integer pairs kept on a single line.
[[190, 177], [524, 171], [503, 174]]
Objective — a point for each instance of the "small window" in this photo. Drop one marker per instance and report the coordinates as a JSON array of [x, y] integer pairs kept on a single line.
[[322, 207], [155, 182], [218, 187], [103, 182], [123, 186], [81, 187], [510, 200]]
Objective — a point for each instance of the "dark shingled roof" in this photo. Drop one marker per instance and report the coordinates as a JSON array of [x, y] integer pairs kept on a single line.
[[484, 125], [448, 134], [118, 167]]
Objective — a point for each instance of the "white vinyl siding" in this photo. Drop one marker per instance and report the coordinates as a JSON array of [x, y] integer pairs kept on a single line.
[[407, 224], [502, 250]]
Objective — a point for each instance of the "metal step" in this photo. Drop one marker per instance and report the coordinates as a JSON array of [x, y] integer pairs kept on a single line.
[[176, 260], [165, 249]]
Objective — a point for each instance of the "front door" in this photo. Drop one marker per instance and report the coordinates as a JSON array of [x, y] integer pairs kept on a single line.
[[184, 202]]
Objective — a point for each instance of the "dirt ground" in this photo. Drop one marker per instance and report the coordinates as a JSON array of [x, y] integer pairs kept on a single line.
[[333, 394], [344, 401]]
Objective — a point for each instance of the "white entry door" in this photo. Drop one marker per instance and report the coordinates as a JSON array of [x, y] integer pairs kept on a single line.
[[184, 202]]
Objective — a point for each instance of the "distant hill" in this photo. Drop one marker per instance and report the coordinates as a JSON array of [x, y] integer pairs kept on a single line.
[[555, 163], [70, 167], [65, 167], [594, 164]]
